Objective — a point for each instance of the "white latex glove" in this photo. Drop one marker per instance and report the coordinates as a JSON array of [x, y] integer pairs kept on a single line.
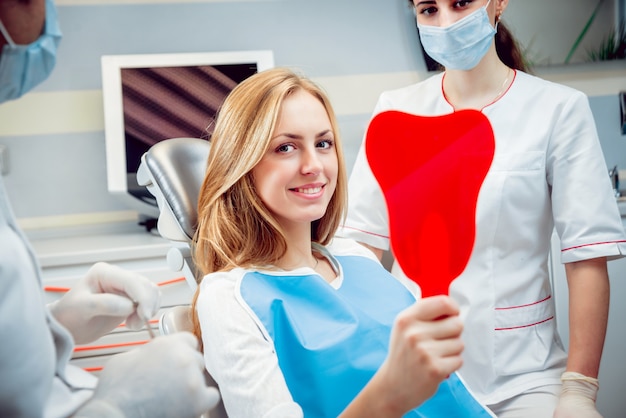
[[163, 378], [107, 296], [578, 397]]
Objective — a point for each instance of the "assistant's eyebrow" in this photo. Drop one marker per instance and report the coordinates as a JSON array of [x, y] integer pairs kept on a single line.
[[420, 3]]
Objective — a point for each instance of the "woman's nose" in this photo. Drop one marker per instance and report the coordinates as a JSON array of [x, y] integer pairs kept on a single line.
[[311, 162]]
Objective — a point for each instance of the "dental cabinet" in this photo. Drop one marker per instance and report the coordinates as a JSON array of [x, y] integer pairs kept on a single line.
[[65, 259]]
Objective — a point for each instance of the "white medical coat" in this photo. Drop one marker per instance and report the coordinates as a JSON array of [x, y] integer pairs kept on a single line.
[[548, 171], [37, 380]]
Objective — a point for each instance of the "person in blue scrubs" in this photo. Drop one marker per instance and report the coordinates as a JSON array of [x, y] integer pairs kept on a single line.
[[293, 322], [163, 378]]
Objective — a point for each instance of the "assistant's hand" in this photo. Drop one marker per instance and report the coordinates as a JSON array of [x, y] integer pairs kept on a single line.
[[578, 397], [105, 297], [425, 348], [164, 378]]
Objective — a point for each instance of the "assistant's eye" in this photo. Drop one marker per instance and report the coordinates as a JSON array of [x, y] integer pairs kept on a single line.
[[425, 11], [284, 148], [325, 144], [462, 4]]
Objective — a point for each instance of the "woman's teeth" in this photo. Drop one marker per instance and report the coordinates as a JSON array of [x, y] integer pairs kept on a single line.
[[309, 190]]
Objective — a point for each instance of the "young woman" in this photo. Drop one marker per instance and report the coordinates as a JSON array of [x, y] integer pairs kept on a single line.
[[293, 324], [548, 171]]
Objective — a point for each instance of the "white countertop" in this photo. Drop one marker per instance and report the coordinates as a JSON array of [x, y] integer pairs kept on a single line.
[[89, 245]]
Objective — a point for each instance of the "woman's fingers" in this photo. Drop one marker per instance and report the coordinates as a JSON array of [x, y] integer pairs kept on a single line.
[[431, 318], [433, 307]]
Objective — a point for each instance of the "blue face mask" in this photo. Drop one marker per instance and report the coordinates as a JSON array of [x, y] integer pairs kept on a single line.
[[461, 45], [22, 67]]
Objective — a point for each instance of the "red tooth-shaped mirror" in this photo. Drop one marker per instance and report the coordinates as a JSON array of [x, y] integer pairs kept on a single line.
[[430, 170]]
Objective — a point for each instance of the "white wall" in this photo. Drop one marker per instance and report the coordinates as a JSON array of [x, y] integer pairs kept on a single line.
[[355, 49], [549, 29]]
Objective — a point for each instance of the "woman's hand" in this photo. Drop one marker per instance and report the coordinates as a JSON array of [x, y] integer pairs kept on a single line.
[[425, 348]]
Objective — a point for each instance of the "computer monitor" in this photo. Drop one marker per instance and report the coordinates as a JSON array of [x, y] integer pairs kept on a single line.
[[151, 97]]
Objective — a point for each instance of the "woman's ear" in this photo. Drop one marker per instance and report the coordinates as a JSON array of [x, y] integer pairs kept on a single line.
[[500, 8]]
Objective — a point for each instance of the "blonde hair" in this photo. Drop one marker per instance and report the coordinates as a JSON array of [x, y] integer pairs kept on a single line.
[[235, 228]]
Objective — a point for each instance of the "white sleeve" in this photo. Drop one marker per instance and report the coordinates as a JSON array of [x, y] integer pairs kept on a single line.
[[585, 211], [242, 362]]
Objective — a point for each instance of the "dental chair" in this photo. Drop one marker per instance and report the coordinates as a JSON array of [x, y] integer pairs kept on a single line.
[[173, 170]]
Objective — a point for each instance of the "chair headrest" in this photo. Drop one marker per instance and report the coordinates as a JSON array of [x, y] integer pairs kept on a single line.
[[178, 166]]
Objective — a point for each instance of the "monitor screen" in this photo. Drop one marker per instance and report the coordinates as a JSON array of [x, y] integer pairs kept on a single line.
[[152, 97]]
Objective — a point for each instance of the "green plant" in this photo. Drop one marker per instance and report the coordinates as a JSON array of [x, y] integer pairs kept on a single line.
[[583, 32], [612, 47]]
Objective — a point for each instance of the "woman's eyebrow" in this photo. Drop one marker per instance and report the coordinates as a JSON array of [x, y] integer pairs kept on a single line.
[[296, 136], [324, 132]]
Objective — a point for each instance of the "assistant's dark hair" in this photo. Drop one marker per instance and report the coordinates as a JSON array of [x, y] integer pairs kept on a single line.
[[508, 49]]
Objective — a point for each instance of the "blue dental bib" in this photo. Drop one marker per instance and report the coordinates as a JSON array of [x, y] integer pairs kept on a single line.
[[330, 342]]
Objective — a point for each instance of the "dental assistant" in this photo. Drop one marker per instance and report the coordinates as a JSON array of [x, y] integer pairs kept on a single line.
[[163, 378], [548, 172]]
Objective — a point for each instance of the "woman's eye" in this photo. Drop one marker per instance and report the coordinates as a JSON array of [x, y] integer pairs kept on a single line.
[[284, 148], [325, 144]]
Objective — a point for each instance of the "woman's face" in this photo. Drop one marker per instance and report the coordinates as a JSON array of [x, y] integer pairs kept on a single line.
[[443, 13], [297, 176]]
